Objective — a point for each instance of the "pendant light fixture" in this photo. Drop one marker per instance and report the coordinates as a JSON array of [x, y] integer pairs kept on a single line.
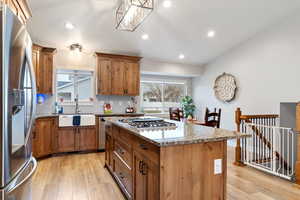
[[131, 13]]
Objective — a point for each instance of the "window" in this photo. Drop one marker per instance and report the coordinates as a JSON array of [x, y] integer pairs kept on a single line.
[[158, 97], [74, 83]]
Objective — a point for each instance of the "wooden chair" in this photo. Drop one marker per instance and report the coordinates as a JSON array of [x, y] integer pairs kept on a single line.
[[176, 114], [212, 119]]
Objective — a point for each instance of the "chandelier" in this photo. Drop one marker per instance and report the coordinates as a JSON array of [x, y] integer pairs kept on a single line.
[[131, 13]]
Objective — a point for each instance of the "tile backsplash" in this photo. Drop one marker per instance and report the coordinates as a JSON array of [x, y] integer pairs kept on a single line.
[[119, 104]]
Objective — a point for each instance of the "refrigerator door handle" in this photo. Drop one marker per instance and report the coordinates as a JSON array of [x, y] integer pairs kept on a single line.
[[23, 177], [28, 55]]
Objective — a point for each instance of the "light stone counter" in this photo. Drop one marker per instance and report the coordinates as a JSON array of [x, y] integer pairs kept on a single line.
[[183, 133]]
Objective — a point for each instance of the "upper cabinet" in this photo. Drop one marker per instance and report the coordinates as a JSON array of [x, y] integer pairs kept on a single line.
[[118, 75], [42, 59], [20, 8]]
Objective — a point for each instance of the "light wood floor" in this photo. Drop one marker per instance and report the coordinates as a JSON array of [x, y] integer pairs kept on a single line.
[[82, 177]]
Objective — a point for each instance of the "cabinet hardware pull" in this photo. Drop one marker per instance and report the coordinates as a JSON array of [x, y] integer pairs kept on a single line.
[[144, 169], [140, 166], [143, 146]]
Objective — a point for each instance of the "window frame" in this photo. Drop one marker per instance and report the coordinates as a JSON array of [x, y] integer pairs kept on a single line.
[[178, 82], [75, 85]]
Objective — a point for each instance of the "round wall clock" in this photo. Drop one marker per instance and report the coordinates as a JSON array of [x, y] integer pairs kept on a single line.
[[225, 87]]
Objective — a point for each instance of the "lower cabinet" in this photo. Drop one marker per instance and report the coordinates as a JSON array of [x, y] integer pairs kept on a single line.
[[87, 138], [66, 139], [77, 139], [146, 178], [43, 140], [134, 164], [48, 138]]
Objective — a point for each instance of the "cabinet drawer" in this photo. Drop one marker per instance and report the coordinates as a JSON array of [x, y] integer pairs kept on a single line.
[[124, 151], [147, 149], [123, 174]]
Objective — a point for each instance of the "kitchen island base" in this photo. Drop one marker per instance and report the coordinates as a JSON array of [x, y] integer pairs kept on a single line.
[[145, 171]]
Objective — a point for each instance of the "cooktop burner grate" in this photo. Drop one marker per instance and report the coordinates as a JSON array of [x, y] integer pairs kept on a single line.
[[148, 123]]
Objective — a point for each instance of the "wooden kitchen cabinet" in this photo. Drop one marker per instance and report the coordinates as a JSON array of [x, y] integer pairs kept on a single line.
[[43, 142], [118, 74], [20, 8], [132, 79], [134, 164], [87, 138], [144, 170], [66, 139], [42, 59], [117, 77], [104, 76], [145, 178], [72, 139]]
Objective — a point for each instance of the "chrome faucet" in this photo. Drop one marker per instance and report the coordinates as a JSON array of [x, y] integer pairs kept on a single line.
[[77, 111]]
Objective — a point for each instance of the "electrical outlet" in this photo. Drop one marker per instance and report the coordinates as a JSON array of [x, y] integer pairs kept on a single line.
[[218, 166]]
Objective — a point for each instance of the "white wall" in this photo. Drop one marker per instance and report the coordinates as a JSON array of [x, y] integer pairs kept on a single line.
[[152, 67], [267, 69]]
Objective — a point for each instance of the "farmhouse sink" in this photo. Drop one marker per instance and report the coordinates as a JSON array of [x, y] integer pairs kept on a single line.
[[66, 120]]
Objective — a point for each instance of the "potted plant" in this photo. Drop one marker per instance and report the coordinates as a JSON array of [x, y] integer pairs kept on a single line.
[[188, 107]]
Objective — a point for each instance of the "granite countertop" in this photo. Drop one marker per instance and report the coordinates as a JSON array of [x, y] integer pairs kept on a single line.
[[100, 114], [183, 133]]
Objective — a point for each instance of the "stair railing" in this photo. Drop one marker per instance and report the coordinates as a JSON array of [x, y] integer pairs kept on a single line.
[[242, 120]]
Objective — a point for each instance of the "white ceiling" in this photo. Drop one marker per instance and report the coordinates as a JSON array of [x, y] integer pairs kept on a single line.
[[179, 29]]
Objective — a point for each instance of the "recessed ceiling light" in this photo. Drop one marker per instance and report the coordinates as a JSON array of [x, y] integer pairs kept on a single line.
[[181, 56], [69, 26], [211, 34], [167, 3], [145, 36]]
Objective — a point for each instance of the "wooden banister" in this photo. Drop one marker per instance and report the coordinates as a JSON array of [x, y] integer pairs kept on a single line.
[[238, 149], [264, 118]]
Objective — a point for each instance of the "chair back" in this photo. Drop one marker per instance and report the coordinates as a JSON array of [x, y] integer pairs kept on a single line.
[[213, 118], [175, 114]]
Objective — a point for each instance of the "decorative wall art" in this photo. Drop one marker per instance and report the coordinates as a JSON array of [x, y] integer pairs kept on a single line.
[[225, 87]]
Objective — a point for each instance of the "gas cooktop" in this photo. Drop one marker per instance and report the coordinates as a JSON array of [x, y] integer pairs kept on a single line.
[[142, 123]]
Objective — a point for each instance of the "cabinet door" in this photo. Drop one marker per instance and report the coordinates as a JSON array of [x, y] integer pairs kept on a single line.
[[36, 64], [43, 137], [146, 178], [87, 139], [132, 79], [118, 69], [104, 76], [45, 73], [108, 151], [66, 139]]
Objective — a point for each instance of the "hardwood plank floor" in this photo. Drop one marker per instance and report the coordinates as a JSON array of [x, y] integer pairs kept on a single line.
[[82, 177]]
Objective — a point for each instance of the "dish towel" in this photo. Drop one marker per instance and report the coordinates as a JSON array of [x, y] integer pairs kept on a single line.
[[76, 120]]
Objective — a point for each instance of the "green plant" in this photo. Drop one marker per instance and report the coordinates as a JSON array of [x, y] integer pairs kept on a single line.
[[188, 106]]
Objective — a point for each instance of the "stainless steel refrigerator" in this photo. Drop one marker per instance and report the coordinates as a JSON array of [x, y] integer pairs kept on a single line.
[[17, 108]]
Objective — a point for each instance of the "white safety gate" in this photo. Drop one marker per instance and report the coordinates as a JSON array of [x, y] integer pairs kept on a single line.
[[271, 149]]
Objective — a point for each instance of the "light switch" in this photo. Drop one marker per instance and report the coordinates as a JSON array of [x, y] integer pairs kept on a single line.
[[218, 166]]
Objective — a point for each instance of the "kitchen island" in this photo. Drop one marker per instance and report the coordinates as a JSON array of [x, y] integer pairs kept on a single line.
[[181, 162]]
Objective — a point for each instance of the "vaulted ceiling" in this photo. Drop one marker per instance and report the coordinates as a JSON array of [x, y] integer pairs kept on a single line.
[[182, 28]]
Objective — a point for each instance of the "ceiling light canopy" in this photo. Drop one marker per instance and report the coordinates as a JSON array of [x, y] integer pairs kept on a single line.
[[131, 13], [211, 34], [69, 25], [167, 3]]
